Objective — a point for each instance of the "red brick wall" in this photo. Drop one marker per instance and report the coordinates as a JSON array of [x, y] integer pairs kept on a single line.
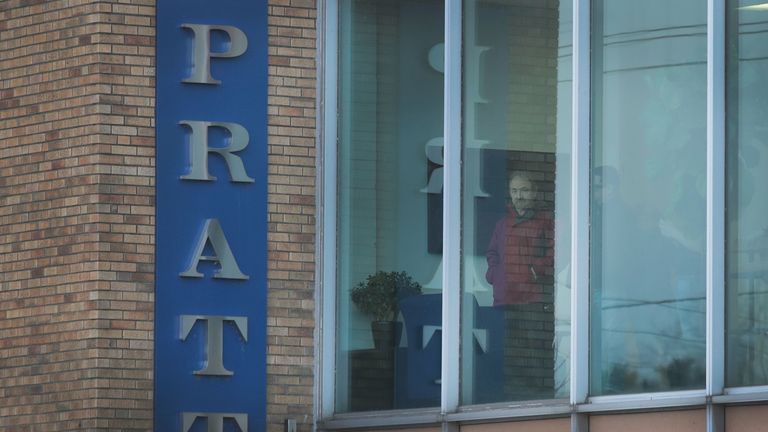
[[290, 319], [76, 214]]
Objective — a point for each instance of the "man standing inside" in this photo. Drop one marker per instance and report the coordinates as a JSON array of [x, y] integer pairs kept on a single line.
[[520, 260]]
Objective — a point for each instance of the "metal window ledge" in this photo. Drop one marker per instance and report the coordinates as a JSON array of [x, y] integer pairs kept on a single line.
[[543, 409], [422, 417], [427, 417], [511, 411], [742, 395], [644, 402]]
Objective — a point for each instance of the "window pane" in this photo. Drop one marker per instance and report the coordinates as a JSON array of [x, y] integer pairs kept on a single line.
[[516, 192], [648, 205], [747, 206], [389, 204]]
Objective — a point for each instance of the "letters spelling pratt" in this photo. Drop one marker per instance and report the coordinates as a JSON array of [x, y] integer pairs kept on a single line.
[[212, 231]]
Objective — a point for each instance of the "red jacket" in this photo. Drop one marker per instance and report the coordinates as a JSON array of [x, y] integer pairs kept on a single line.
[[521, 257]]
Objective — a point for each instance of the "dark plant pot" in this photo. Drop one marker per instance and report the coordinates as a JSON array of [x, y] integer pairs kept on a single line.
[[383, 335]]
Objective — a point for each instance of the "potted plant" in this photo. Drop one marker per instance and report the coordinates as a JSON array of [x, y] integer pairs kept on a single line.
[[379, 297]]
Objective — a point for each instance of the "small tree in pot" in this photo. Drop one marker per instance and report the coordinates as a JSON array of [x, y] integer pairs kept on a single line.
[[379, 297]]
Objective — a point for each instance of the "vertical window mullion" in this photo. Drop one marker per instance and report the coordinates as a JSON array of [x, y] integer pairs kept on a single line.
[[715, 197], [715, 210], [449, 392], [325, 385], [580, 204]]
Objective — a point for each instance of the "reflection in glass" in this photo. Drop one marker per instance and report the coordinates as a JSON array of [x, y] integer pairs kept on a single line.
[[516, 191], [648, 207], [389, 204], [746, 221]]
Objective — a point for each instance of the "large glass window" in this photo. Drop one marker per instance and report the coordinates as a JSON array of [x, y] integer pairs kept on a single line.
[[624, 202], [648, 196], [389, 204], [747, 204], [516, 200]]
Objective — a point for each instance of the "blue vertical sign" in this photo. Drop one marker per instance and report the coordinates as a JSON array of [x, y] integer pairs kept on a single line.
[[211, 263]]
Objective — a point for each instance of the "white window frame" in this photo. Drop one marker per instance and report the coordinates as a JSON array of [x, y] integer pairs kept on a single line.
[[714, 397]]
